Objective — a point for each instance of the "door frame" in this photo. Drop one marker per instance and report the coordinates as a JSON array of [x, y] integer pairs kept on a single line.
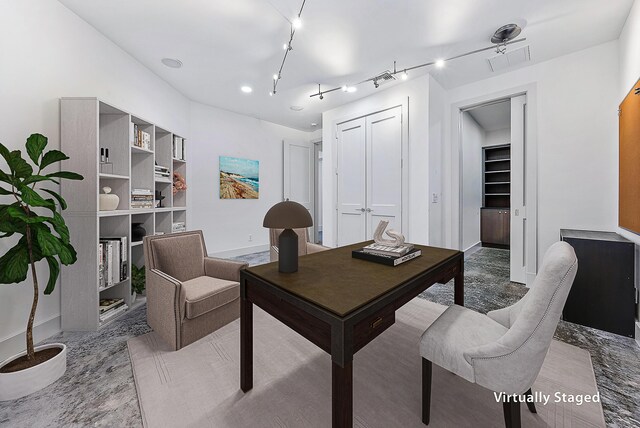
[[404, 204], [317, 206], [531, 160]]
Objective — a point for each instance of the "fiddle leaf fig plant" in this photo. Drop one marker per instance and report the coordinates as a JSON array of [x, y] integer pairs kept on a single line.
[[30, 212]]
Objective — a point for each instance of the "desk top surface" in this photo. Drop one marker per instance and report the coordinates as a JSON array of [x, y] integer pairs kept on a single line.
[[337, 282]]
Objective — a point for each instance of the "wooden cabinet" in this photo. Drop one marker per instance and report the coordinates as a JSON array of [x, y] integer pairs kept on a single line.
[[603, 293], [495, 227]]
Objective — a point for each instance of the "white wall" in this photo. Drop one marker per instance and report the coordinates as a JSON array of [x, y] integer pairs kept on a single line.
[[415, 94], [577, 98], [437, 120], [473, 137], [48, 53], [497, 137], [629, 52], [227, 223]]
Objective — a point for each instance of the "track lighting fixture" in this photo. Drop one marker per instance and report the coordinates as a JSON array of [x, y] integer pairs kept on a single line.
[[296, 24], [503, 37]]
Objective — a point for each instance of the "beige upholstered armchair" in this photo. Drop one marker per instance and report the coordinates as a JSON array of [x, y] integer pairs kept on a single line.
[[304, 246], [503, 350], [189, 295]]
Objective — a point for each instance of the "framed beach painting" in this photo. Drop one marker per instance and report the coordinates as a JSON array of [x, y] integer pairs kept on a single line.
[[239, 178]]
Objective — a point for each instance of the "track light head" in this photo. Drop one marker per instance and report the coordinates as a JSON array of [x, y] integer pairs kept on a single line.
[[375, 83], [321, 96], [404, 75], [296, 23]]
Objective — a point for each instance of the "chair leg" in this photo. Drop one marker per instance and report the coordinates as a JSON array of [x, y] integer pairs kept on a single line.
[[426, 390], [530, 404], [511, 410]]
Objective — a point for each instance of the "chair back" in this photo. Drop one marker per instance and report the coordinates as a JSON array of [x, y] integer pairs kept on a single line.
[[303, 238], [180, 255], [518, 355]]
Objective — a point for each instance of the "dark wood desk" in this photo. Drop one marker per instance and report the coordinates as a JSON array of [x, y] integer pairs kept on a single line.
[[340, 304]]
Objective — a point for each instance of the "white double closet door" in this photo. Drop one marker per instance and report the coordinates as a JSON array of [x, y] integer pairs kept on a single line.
[[369, 175]]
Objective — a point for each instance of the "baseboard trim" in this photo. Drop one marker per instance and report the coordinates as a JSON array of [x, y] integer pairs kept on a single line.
[[475, 247], [15, 344], [241, 251], [638, 332]]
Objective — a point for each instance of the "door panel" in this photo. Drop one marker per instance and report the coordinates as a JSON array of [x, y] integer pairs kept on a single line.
[[384, 165], [351, 182], [518, 209]]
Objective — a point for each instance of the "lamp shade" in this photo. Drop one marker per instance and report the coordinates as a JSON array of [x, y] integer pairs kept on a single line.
[[287, 215]]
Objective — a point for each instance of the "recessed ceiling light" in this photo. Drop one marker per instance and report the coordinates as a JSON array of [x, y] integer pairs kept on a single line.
[[172, 62], [440, 63], [297, 23], [313, 124], [246, 89], [296, 108]]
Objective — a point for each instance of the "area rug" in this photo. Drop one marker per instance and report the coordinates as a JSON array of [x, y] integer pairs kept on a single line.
[[198, 386]]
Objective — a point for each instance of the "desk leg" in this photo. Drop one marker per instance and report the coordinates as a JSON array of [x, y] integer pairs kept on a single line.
[[246, 344], [458, 281], [342, 395]]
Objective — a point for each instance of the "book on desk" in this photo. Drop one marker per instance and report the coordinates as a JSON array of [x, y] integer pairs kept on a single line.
[[385, 259]]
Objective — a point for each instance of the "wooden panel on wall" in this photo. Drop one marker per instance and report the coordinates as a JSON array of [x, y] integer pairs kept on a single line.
[[629, 187]]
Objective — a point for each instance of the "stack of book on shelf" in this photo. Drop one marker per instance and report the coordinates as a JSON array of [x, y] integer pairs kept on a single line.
[[141, 138], [112, 257], [109, 308], [179, 226], [178, 147], [387, 254], [162, 173], [141, 198]]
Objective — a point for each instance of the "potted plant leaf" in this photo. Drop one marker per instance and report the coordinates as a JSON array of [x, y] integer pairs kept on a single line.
[[138, 277], [31, 223]]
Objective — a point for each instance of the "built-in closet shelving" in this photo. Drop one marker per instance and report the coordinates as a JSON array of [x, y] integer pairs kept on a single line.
[[495, 215], [87, 125], [496, 176]]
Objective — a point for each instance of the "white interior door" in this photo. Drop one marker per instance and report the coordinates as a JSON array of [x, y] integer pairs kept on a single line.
[[384, 166], [299, 175], [518, 205], [352, 175]]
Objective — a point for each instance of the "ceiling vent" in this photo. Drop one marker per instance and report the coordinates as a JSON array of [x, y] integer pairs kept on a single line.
[[509, 59], [382, 78]]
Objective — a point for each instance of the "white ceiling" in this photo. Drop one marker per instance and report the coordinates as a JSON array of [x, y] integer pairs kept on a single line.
[[493, 116], [226, 44]]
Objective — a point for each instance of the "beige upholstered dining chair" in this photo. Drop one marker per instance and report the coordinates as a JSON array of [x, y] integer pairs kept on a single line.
[[304, 246], [503, 350], [189, 295]]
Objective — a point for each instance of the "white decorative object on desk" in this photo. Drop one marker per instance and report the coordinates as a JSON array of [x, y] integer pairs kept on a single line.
[[108, 201], [397, 241]]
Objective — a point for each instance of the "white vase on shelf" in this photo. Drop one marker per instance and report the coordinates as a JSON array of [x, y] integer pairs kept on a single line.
[[108, 201]]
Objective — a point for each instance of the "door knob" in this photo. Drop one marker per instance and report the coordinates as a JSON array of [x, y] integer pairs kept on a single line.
[[360, 209], [369, 210]]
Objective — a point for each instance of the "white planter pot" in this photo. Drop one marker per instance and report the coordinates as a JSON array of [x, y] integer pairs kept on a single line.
[[24, 382]]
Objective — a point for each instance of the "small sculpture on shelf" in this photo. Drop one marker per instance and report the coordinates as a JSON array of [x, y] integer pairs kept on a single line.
[[159, 198], [397, 241], [179, 183], [108, 201]]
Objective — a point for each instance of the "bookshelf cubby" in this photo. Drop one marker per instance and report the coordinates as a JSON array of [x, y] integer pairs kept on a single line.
[[87, 126]]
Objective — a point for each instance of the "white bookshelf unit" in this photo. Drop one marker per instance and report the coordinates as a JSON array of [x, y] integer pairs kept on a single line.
[[86, 126]]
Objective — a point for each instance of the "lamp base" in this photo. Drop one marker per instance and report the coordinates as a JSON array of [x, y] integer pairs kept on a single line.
[[288, 251]]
